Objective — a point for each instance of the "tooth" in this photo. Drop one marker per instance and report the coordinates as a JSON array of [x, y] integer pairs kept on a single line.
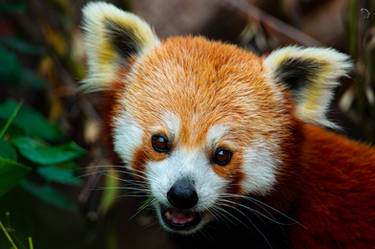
[[168, 215]]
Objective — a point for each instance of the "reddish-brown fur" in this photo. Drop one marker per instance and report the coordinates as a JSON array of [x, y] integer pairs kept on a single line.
[[198, 92], [337, 187], [328, 180]]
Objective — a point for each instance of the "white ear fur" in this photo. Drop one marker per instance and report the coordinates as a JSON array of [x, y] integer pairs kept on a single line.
[[311, 74], [112, 36]]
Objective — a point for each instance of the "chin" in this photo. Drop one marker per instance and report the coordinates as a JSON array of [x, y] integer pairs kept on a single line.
[[182, 221]]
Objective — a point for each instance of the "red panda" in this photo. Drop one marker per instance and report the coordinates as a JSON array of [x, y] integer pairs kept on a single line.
[[214, 131]]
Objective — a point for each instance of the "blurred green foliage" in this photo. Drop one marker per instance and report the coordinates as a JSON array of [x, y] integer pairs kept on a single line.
[[33, 152]]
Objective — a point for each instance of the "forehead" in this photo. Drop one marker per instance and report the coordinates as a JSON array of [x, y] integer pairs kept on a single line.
[[202, 84]]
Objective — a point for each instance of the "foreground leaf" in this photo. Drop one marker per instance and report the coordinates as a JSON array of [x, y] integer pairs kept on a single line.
[[32, 122], [10, 68], [12, 8], [31, 79], [7, 151], [11, 173], [51, 173], [21, 45], [10, 120], [40, 153], [49, 195]]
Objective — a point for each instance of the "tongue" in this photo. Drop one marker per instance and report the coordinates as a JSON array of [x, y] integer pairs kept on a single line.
[[179, 216]]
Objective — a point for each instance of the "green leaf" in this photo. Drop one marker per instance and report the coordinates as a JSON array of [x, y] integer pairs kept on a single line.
[[12, 8], [11, 72], [10, 120], [31, 79], [10, 68], [13, 130], [51, 173], [7, 151], [70, 165], [32, 122], [21, 45], [11, 173], [49, 195], [40, 153]]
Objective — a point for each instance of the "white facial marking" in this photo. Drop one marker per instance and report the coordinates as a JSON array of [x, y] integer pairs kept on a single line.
[[172, 122], [260, 163], [215, 133], [192, 164], [127, 136]]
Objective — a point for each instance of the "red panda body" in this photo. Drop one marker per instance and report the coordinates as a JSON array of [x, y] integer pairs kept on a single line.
[[214, 132], [336, 203]]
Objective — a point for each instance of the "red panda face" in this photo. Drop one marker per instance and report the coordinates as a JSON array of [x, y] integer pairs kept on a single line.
[[201, 117], [199, 121]]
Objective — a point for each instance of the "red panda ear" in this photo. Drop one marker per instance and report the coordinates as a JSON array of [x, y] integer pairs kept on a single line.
[[311, 74], [112, 36]]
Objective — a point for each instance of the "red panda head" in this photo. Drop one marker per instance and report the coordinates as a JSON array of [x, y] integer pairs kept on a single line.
[[203, 121]]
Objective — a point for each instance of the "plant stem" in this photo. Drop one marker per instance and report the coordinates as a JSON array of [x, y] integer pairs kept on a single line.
[[10, 120], [146, 203], [8, 235], [31, 246], [353, 28]]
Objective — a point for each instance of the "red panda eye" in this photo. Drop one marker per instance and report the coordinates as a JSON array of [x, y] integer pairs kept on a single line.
[[160, 143], [222, 156]]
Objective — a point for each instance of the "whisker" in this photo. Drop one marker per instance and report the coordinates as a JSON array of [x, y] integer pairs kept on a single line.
[[118, 188], [233, 217], [257, 213], [108, 168], [117, 178], [219, 216], [257, 204], [134, 195], [104, 171], [105, 166], [256, 201], [123, 187], [141, 174], [252, 223]]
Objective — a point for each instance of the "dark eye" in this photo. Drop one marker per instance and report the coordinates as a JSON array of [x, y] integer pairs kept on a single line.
[[160, 143], [222, 156]]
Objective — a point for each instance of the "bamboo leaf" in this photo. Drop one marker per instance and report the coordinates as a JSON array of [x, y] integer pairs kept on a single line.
[[12, 8], [11, 173], [51, 173], [31, 121], [48, 194], [41, 153], [7, 151], [10, 120]]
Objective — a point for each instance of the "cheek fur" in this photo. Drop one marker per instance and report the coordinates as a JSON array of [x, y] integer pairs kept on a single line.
[[127, 136], [233, 173], [132, 144], [145, 153], [139, 162], [260, 168]]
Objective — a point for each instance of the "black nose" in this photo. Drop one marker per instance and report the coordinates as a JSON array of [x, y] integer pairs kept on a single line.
[[182, 194]]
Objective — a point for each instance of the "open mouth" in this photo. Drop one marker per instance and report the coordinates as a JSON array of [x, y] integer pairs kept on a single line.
[[179, 219]]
